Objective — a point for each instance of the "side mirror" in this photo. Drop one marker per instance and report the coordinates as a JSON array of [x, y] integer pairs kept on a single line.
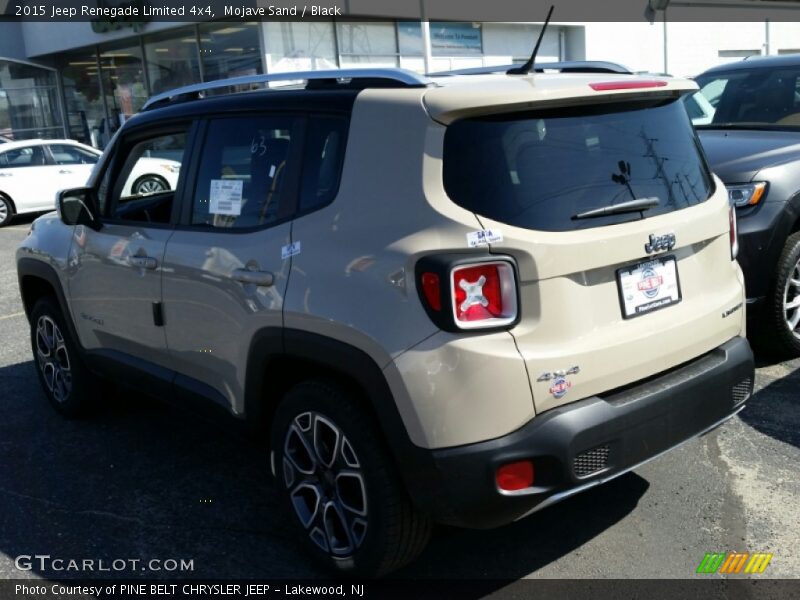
[[77, 207]]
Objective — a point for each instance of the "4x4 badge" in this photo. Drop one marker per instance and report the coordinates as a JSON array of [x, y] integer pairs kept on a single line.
[[660, 242]]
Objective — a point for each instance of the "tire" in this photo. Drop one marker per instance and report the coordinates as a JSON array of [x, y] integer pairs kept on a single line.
[[784, 308], [67, 383], [149, 184], [354, 516], [6, 210]]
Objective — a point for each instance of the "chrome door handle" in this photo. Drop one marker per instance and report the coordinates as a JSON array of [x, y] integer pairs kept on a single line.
[[143, 262], [65, 171], [260, 278], [6, 174]]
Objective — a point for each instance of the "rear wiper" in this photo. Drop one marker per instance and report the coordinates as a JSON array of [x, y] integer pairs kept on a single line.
[[615, 209]]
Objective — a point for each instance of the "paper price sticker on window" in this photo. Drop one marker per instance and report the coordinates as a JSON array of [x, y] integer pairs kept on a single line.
[[484, 237], [225, 197]]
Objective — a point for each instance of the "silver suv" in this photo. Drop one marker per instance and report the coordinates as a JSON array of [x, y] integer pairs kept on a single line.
[[451, 299]]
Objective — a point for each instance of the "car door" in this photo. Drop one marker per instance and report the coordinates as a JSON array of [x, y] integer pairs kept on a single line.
[[226, 266], [27, 178], [115, 275], [74, 164]]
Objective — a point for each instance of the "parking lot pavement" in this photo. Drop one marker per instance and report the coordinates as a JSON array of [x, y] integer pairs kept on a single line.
[[142, 480]]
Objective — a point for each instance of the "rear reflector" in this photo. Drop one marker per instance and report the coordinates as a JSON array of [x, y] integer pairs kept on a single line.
[[605, 86], [515, 476], [432, 290]]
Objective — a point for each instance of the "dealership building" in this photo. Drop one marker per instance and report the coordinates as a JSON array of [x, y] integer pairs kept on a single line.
[[82, 80]]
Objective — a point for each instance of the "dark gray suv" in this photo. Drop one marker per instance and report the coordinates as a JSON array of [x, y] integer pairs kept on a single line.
[[748, 118]]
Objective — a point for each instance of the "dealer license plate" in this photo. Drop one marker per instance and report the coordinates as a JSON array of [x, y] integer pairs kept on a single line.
[[648, 286]]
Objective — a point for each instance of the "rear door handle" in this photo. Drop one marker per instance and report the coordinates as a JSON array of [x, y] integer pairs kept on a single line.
[[260, 278], [65, 171], [143, 262], [6, 174]]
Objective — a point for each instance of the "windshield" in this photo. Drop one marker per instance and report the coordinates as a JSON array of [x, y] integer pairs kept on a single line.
[[545, 170], [758, 98]]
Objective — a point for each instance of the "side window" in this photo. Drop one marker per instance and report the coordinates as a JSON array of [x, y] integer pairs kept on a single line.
[[145, 187], [29, 156], [243, 173], [65, 154], [322, 161]]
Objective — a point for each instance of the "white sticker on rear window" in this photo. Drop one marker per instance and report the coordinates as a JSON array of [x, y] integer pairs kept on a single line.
[[484, 237], [225, 197]]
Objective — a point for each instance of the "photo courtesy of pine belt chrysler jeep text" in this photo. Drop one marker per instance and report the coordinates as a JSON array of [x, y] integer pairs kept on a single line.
[[455, 298]]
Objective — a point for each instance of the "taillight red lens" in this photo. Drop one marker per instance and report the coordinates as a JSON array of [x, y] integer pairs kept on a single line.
[[733, 233], [432, 290], [605, 86], [484, 295], [515, 476], [477, 293]]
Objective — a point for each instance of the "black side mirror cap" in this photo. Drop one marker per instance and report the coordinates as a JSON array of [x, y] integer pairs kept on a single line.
[[77, 206]]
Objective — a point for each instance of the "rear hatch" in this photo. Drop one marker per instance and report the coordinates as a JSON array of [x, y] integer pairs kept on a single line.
[[606, 299]]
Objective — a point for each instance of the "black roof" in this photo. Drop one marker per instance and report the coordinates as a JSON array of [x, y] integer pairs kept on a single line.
[[292, 100], [758, 62]]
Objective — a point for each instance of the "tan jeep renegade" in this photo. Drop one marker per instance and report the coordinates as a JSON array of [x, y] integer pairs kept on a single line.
[[451, 299]]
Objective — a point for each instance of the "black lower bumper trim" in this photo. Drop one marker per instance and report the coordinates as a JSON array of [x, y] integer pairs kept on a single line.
[[585, 443]]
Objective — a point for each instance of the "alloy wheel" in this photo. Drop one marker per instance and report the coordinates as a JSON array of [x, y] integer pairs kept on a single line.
[[791, 301], [53, 358], [325, 482], [150, 185], [3, 210]]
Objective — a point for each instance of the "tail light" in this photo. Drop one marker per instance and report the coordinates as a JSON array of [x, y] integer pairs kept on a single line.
[[462, 293], [733, 233], [484, 295], [636, 84]]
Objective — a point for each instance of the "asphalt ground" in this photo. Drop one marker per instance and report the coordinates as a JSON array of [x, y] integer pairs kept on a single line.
[[142, 480]]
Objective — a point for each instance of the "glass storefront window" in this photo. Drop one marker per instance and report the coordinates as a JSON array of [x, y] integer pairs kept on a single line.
[[86, 115], [122, 72], [230, 50], [447, 39], [29, 105], [173, 59], [367, 44], [299, 46]]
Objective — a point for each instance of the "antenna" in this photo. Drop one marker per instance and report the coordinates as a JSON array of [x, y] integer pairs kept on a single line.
[[526, 68]]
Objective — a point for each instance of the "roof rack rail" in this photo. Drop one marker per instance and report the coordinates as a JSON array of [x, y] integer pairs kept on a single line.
[[402, 77], [569, 66]]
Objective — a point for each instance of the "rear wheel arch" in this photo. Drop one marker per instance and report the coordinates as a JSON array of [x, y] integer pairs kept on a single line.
[[10, 201], [279, 359], [9, 210]]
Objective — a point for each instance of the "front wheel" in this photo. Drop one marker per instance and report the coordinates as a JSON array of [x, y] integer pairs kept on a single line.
[[339, 485], [67, 383], [785, 301]]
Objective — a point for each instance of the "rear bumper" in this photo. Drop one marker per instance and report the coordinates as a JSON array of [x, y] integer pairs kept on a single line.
[[588, 442]]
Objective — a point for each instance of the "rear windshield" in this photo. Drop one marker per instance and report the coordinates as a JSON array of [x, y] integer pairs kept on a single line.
[[539, 170]]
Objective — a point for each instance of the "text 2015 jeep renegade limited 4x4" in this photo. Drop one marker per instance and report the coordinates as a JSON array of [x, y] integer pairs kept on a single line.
[[455, 299]]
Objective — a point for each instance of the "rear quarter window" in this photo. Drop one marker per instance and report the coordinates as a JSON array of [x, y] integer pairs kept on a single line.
[[540, 169]]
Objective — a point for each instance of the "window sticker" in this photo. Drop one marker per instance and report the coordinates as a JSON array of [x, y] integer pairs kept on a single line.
[[225, 197], [484, 237], [290, 250]]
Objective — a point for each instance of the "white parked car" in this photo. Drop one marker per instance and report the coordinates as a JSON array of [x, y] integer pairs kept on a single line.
[[32, 172]]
